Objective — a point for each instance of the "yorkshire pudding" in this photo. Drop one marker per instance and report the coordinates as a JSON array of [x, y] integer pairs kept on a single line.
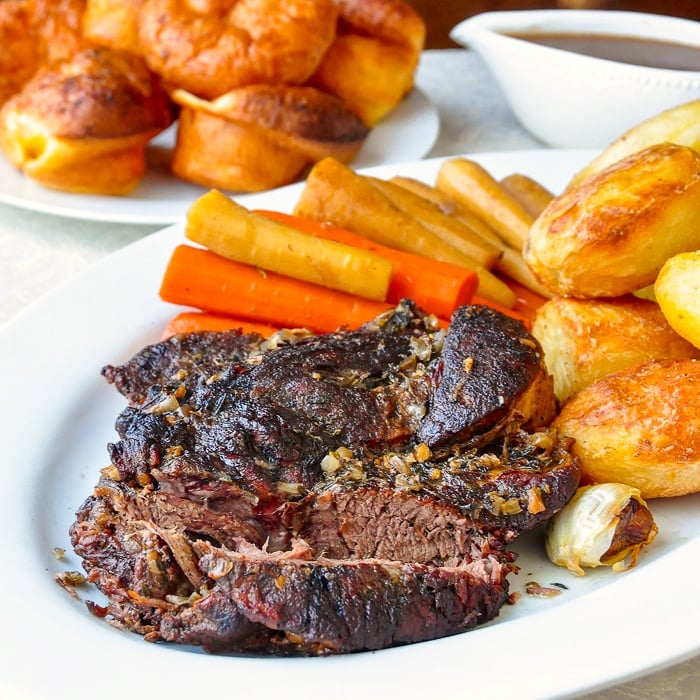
[[34, 33], [18, 59], [261, 136], [372, 61], [113, 23], [209, 47], [82, 125]]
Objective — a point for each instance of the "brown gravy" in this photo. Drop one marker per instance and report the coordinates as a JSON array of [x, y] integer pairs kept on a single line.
[[623, 49]]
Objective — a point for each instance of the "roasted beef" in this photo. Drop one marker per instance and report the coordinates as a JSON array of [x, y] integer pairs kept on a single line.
[[320, 494]]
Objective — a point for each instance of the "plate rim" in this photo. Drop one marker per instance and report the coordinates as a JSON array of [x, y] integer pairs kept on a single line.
[[131, 650]]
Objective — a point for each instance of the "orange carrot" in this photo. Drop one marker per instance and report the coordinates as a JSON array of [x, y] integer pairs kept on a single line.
[[197, 321], [525, 320], [204, 280], [436, 287], [526, 301]]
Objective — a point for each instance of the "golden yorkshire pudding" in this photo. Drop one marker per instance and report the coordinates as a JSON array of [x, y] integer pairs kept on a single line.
[[34, 33], [585, 339], [83, 125], [113, 23], [639, 426], [59, 25], [371, 63], [19, 59], [209, 47], [261, 136], [610, 234]]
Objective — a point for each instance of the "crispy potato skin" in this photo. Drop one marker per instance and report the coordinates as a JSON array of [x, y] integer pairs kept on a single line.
[[641, 427], [677, 289], [680, 124], [585, 339], [610, 234]]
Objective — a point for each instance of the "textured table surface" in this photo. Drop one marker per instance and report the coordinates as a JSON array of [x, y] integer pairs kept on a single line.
[[39, 252]]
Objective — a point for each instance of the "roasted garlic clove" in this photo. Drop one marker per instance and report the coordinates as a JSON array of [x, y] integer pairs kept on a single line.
[[602, 525]]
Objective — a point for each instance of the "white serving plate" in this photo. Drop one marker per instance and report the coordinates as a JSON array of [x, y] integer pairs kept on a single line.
[[58, 417]]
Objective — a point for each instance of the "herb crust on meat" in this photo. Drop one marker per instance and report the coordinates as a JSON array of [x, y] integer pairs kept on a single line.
[[316, 494]]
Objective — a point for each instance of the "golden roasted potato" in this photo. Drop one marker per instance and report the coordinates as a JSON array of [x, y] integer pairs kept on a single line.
[[639, 426], [680, 125], [677, 290], [585, 339], [610, 234]]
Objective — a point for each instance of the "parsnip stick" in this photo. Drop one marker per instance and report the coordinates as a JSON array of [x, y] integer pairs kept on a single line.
[[230, 230], [512, 264], [449, 229], [476, 189], [432, 194], [334, 192], [450, 207], [532, 195], [493, 288]]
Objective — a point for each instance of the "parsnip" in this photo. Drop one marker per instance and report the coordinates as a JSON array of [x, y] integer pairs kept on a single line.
[[447, 228], [230, 230], [512, 264], [477, 190], [532, 195], [334, 192], [450, 207]]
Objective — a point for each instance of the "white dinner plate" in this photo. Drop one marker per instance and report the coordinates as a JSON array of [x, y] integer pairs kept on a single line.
[[407, 134], [58, 416]]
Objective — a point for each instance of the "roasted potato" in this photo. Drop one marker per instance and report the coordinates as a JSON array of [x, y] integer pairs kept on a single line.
[[639, 426], [610, 234], [679, 125], [677, 290], [585, 339]]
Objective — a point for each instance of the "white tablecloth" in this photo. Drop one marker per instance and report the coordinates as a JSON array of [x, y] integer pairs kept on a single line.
[[39, 252]]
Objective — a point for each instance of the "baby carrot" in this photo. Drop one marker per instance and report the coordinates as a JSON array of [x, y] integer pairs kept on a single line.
[[436, 287], [525, 319], [201, 279], [526, 301], [198, 321], [216, 222]]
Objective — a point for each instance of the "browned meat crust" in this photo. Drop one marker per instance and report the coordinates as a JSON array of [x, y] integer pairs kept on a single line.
[[282, 500]]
